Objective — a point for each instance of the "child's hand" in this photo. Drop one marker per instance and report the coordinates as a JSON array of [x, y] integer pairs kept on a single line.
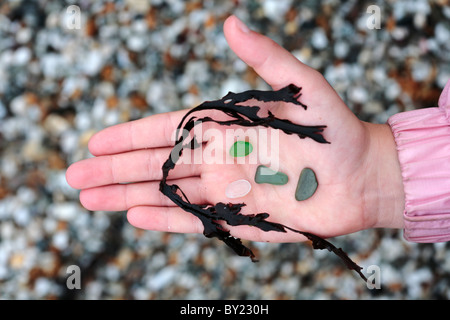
[[360, 184]]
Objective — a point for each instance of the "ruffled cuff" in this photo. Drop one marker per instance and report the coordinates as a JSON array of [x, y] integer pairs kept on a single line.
[[423, 144]]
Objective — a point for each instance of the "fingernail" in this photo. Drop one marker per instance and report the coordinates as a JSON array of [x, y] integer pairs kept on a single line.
[[242, 26]]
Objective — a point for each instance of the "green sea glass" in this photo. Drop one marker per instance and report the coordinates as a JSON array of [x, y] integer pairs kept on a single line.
[[307, 185], [241, 149], [267, 175]]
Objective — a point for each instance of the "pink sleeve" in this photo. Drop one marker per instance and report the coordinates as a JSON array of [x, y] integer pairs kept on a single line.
[[423, 144]]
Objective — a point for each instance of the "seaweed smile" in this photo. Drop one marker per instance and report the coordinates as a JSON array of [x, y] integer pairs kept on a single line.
[[246, 116]]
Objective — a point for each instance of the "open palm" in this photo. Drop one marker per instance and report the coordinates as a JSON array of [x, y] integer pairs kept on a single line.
[[347, 169]]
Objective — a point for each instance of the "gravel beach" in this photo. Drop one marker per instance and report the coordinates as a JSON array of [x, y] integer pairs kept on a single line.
[[62, 79]]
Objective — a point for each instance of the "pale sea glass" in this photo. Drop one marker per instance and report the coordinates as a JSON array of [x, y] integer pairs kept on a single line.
[[238, 189]]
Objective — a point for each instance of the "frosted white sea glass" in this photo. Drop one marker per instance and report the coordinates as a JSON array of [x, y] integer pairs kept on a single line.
[[238, 189]]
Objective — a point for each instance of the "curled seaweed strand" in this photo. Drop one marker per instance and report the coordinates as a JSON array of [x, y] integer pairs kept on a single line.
[[211, 215]]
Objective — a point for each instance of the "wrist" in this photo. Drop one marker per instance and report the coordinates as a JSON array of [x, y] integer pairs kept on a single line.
[[384, 193]]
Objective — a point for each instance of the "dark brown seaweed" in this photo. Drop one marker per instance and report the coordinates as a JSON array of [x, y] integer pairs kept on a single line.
[[247, 116]]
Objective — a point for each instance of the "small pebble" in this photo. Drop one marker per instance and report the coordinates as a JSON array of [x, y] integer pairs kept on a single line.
[[319, 39], [267, 175], [238, 189], [307, 185], [241, 149]]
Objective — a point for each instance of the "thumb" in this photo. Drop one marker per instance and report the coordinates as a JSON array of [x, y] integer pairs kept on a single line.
[[274, 64], [279, 68]]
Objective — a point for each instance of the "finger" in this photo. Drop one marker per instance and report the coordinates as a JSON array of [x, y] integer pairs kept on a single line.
[[171, 219], [135, 166], [150, 132], [174, 219], [273, 63], [121, 197]]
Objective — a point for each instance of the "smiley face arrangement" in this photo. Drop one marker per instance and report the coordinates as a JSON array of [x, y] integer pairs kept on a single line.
[[248, 116], [306, 186]]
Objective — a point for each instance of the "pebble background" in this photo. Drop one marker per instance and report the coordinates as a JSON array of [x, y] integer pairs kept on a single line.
[[132, 59]]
